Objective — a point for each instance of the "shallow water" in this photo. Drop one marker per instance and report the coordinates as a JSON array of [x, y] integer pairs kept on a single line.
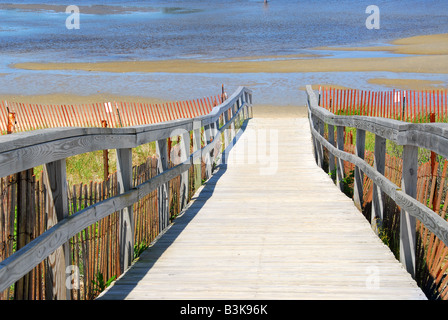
[[214, 29], [206, 29]]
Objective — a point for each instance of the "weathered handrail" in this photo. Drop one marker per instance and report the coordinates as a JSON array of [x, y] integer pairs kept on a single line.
[[411, 136], [51, 147]]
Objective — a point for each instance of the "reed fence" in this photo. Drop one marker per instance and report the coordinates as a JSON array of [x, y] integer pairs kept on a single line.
[[92, 251], [30, 116], [160, 188], [431, 186], [404, 105]]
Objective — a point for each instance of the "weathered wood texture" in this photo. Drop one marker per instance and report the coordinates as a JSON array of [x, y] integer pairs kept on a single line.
[[270, 224], [412, 137], [22, 151]]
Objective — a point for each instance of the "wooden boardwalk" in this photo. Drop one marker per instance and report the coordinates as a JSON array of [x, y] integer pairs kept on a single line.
[[274, 230]]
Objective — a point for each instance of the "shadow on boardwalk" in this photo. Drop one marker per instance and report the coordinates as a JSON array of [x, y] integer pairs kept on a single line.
[[129, 280]]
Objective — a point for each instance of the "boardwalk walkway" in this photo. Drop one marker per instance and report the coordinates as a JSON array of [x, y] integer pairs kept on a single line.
[[278, 230]]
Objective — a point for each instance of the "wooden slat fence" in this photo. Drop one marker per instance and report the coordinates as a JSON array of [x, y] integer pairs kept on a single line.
[[94, 249], [404, 105], [336, 151], [106, 224], [30, 116]]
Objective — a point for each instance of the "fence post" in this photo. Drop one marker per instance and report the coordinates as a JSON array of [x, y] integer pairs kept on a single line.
[[432, 119], [207, 158], [226, 131], [126, 232], [331, 165], [321, 129], [318, 148], [340, 162], [197, 125], [11, 122], [25, 209], [359, 176], [185, 153], [408, 232], [377, 195], [55, 178], [162, 150], [105, 156]]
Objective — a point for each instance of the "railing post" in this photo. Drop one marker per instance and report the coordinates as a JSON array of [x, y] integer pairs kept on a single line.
[[216, 135], [331, 165], [340, 174], [251, 109], [162, 151], [24, 227], [126, 233], [55, 179], [226, 131], [321, 129], [197, 161], [408, 232], [232, 131], [359, 175], [185, 153], [318, 148], [378, 195], [207, 158]]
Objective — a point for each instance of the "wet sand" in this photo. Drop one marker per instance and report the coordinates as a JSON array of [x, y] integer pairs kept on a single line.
[[409, 84], [427, 54], [432, 58], [435, 44]]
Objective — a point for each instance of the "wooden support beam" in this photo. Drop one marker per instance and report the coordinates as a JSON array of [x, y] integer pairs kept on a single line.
[[321, 130], [340, 175], [126, 232], [408, 234], [55, 179], [359, 175], [207, 156], [25, 208], [197, 161], [331, 164], [185, 153], [163, 190], [377, 215]]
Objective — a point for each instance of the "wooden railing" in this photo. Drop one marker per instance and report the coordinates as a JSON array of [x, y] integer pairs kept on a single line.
[[411, 136], [51, 147]]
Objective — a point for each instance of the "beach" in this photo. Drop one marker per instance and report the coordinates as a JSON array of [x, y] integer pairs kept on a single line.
[[423, 57], [160, 52], [425, 54]]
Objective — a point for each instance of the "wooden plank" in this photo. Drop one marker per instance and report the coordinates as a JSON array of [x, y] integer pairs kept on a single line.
[[252, 236]]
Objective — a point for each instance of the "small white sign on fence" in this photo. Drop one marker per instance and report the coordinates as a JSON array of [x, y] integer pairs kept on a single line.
[[397, 96], [108, 107]]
